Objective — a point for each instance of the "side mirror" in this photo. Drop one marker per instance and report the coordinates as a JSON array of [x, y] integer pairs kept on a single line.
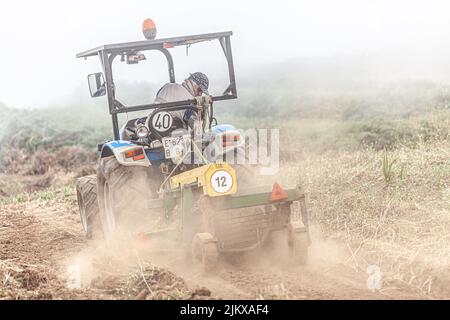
[[97, 85]]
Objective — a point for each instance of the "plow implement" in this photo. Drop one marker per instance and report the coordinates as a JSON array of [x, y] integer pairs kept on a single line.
[[214, 223]]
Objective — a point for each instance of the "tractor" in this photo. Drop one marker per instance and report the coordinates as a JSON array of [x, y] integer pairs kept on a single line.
[[209, 206]]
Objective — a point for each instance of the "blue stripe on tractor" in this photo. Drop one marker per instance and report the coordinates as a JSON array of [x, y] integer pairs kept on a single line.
[[222, 128], [108, 147], [119, 143]]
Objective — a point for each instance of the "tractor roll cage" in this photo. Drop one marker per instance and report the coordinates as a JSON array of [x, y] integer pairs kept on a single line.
[[107, 54]]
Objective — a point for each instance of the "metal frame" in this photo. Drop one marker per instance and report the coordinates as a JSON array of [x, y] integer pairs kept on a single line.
[[108, 53], [184, 198]]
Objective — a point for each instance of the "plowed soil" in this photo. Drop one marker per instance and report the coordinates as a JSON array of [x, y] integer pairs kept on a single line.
[[42, 245]]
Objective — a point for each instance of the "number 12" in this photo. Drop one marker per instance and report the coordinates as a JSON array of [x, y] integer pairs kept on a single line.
[[221, 181]]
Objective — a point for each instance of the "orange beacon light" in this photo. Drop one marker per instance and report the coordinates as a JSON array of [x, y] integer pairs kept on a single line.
[[149, 29]]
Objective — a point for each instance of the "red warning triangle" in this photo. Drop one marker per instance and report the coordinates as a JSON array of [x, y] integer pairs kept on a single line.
[[278, 194], [142, 238]]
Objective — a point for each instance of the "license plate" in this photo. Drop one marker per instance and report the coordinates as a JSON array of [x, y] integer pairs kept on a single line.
[[175, 147]]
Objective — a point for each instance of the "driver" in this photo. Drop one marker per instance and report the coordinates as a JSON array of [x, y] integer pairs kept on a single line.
[[194, 86]]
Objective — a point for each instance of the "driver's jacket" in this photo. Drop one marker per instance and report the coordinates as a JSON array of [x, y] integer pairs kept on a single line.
[[171, 92]]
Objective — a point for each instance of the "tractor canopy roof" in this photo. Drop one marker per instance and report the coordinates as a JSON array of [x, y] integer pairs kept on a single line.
[[165, 43]]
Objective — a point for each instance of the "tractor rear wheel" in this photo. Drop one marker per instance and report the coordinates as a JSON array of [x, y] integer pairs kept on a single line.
[[88, 206], [122, 193]]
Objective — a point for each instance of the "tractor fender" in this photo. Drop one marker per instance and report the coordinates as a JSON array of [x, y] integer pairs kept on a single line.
[[118, 149]]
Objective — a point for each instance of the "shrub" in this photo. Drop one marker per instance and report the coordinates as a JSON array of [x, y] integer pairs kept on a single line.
[[382, 134]]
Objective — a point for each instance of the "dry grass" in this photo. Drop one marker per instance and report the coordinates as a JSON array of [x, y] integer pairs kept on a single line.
[[402, 226], [21, 281], [65, 159]]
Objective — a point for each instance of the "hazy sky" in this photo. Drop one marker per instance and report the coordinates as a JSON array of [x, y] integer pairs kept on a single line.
[[39, 39]]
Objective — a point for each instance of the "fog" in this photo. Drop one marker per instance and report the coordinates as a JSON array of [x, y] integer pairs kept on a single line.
[[381, 40]]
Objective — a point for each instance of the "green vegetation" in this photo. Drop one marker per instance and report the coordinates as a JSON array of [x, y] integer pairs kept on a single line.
[[388, 172], [311, 118], [51, 129], [53, 195]]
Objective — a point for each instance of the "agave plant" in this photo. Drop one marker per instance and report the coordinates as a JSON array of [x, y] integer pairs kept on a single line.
[[388, 171]]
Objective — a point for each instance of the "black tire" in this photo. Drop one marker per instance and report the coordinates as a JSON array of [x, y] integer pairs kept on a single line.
[[122, 194], [88, 206]]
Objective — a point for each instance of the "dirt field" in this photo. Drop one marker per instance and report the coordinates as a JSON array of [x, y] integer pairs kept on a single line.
[[41, 238], [42, 246]]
